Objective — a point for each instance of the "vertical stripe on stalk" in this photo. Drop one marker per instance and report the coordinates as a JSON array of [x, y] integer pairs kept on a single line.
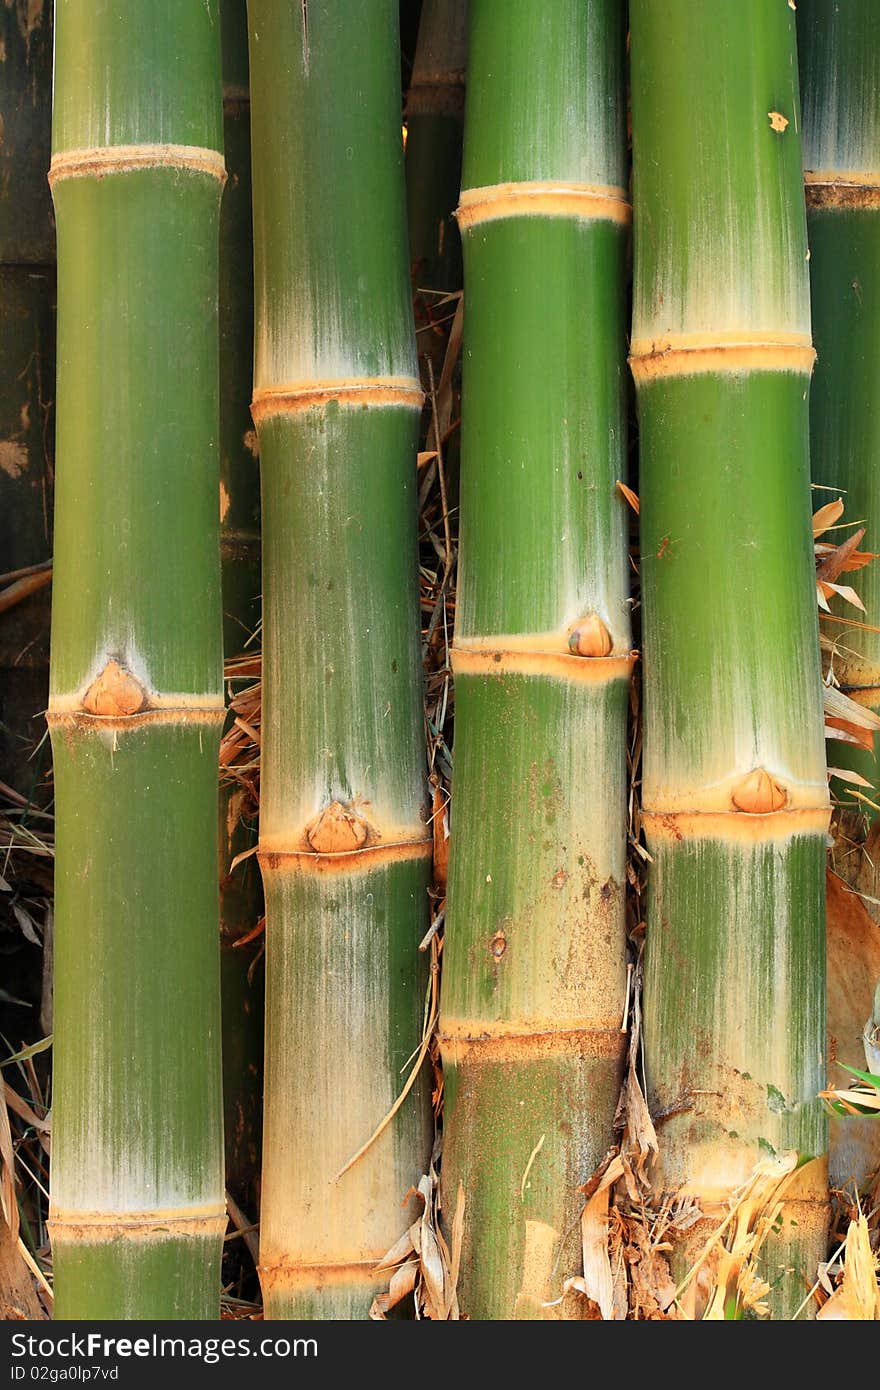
[[344, 848], [534, 956], [734, 791], [137, 1212]]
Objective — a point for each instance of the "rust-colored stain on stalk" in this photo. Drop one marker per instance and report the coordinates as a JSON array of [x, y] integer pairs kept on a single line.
[[477, 1040]]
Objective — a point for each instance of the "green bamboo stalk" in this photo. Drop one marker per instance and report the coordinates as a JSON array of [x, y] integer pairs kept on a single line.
[[840, 64], [27, 376], [135, 709], [734, 790], [240, 889], [344, 849], [840, 79], [434, 120], [534, 969]]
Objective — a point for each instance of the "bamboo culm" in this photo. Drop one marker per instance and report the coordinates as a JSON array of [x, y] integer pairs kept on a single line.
[[137, 1210], [345, 851], [534, 956], [735, 800]]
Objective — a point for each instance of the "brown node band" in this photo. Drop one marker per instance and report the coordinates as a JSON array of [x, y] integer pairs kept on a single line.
[[481, 1041], [547, 198], [285, 1275], [344, 862], [354, 392], [705, 353], [842, 188], [559, 665], [735, 826], [98, 1226], [125, 159]]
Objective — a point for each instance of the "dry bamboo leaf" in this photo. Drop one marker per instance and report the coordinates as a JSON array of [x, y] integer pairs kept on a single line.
[[630, 496], [440, 826], [857, 1100], [652, 1290], [444, 387], [240, 858], [826, 516], [837, 559], [639, 1138], [730, 1253], [420, 1261], [857, 560], [402, 1282], [455, 1254], [7, 1174], [845, 732], [845, 775], [528, 1168], [598, 1282], [432, 1267], [26, 922], [857, 1299], [840, 706], [24, 1111], [400, 1250], [618, 1267], [778, 122], [844, 591], [423, 459]]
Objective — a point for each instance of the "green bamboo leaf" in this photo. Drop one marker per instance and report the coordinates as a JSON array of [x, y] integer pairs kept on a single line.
[[42, 1046], [868, 1077]]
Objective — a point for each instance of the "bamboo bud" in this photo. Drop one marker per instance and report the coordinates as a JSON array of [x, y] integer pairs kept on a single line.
[[115, 692], [759, 794], [337, 830], [591, 638]]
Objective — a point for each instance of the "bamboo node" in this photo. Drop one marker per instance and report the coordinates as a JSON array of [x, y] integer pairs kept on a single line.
[[115, 692], [101, 160], [337, 830], [759, 793], [590, 637]]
